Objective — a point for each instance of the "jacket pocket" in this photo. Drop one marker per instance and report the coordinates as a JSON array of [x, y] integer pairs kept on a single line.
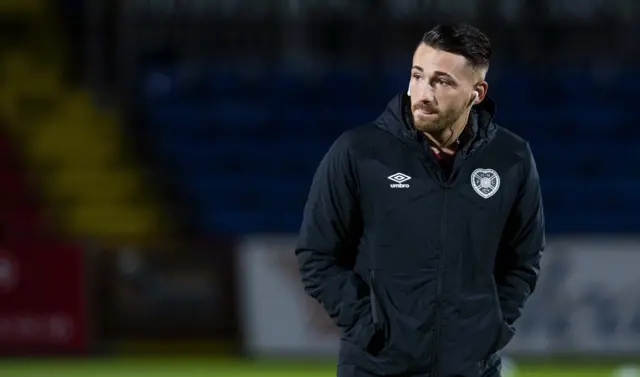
[[374, 300], [505, 335], [481, 315], [505, 332], [405, 313], [367, 332], [379, 340], [476, 329], [361, 333]]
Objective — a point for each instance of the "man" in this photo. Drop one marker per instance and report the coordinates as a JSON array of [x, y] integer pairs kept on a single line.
[[423, 231]]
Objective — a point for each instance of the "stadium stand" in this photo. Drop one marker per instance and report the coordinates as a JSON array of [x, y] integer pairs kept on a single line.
[[246, 164], [74, 150]]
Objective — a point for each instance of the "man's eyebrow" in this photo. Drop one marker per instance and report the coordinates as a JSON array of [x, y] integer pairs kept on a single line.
[[436, 73], [440, 73]]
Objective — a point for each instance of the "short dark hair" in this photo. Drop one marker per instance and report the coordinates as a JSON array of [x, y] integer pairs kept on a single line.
[[461, 39]]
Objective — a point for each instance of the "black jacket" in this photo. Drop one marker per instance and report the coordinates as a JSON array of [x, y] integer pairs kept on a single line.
[[424, 272]]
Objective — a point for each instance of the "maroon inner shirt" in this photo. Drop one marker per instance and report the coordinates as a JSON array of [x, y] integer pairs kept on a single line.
[[446, 160]]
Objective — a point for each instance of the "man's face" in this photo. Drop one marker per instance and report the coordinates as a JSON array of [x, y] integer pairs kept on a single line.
[[442, 85]]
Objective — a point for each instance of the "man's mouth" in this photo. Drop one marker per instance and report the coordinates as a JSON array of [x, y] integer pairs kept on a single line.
[[425, 112]]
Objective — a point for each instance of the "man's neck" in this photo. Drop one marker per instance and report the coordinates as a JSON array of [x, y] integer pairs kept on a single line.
[[446, 140]]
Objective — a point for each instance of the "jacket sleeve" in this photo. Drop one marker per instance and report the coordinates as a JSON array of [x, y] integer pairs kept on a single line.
[[523, 242], [329, 236]]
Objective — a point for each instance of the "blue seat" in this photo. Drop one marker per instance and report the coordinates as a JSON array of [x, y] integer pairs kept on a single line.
[[260, 158], [225, 114], [157, 83], [344, 85], [278, 84], [280, 193], [215, 192], [240, 116], [178, 113], [249, 221], [234, 222], [223, 81], [205, 156]]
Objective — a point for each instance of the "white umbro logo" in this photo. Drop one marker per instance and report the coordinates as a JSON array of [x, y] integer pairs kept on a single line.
[[399, 180]]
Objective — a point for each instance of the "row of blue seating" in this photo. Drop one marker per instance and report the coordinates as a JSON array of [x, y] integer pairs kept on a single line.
[[195, 154], [245, 144], [159, 81], [255, 114], [250, 190], [242, 221]]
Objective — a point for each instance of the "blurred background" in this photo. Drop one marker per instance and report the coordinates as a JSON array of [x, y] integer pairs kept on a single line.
[[155, 156]]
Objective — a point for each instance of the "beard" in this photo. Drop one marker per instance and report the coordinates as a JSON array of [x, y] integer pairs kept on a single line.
[[438, 122]]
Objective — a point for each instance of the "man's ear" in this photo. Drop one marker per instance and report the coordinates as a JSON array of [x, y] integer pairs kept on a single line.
[[481, 90]]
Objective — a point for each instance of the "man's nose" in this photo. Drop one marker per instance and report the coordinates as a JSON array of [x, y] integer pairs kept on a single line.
[[424, 93]]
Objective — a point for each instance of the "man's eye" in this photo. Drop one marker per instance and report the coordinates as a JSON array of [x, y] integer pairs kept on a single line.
[[442, 82]]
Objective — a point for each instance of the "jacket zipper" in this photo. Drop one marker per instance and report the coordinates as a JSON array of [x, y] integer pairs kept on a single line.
[[446, 182], [439, 284], [372, 297]]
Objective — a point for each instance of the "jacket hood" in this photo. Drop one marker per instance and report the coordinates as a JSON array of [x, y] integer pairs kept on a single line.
[[397, 120]]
